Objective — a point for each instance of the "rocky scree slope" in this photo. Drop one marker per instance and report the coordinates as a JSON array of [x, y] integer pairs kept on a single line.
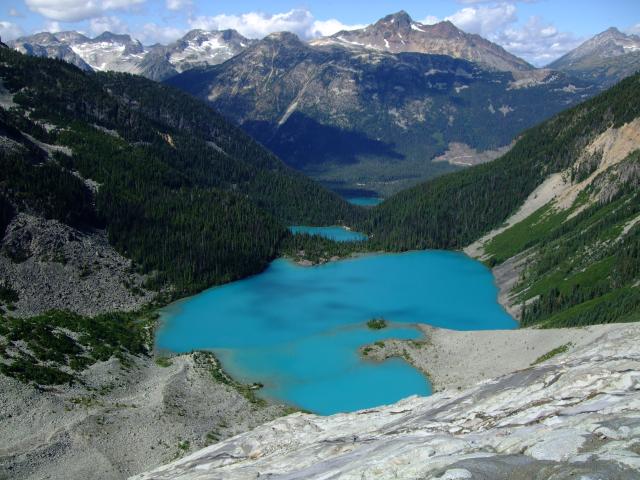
[[574, 415], [117, 422], [367, 116]]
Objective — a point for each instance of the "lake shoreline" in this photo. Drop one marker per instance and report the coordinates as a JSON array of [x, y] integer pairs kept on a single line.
[[287, 311], [453, 360]]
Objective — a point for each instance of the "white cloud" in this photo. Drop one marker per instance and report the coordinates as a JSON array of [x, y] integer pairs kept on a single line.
[[429, 20], [324, 28], [52, 27], [152, 33], [107, 24], [14, 13], [635, 30], [538, 42], [258, 24], [9, 31], [177, 5], [475, 2], [484, 20], [74, 10]]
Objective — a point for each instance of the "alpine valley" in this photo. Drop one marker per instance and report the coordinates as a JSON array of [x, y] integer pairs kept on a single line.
[[376, 109], [181, 275], [386, 106]]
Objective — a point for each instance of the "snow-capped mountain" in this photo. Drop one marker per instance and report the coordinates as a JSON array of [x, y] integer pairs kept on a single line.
[[399, 33], [46, 44], [107, 51], [607, 58], [122, 53], [200, 48]]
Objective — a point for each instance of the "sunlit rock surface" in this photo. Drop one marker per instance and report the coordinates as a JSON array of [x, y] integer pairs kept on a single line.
[[574, 416]]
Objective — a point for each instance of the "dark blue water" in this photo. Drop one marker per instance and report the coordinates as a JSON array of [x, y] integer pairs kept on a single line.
[[339, 234], [297, 329], [365, 201]]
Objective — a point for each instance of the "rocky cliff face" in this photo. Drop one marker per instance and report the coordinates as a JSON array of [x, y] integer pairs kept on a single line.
[[606, 58], [573, 416], [399, 33]]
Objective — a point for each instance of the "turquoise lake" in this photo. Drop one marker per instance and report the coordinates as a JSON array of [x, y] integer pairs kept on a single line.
[[297, 329], [365, 201], [336, 233]]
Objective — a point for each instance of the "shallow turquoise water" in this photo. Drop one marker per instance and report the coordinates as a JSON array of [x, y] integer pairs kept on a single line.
[[365, 201], [339, 234], [297, 329]]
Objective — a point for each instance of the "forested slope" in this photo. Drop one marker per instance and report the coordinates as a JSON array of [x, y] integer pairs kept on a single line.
[[574, 259], [181, 191], [454, 210]]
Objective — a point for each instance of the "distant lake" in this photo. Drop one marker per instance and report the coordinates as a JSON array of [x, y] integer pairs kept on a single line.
[[339, 234], [365, 201], [297, 329]]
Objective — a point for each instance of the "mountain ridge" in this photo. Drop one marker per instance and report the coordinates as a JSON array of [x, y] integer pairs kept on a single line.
[[399, 33], [606, 58], [122, 53], [357, 115]]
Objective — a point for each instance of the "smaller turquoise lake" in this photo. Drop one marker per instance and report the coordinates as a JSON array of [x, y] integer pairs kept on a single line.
[[336, 233], [365, 201], [297, 329]]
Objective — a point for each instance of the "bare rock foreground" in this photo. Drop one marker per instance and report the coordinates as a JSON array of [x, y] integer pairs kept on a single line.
[[575, 416]]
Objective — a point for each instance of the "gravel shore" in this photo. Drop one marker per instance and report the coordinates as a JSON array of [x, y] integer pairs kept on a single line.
[[455, 360]]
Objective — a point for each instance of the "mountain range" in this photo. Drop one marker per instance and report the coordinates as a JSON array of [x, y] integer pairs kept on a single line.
[[351, 116], [121, 53], [375, 109], [119, 194], [399, 33]]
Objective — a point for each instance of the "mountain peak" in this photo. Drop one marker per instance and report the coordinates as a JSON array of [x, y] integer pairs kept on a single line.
[[610, 56], [613, 30], [444, 29], [398, 33], [107, 36], [286, 37], [71, 36], [400, 16], [396, 21]]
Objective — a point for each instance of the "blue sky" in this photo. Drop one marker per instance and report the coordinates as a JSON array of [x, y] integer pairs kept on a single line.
[[537, 30]]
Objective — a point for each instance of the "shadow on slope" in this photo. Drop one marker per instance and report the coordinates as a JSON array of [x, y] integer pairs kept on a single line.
[[304, 142]]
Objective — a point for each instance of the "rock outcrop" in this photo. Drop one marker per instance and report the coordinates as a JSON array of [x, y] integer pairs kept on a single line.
[[574, 416], [51, 265]]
